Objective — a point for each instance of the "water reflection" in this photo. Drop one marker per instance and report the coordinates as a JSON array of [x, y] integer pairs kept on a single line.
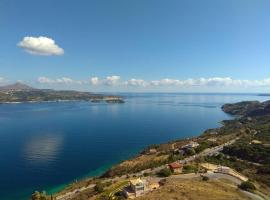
[[43, 148]]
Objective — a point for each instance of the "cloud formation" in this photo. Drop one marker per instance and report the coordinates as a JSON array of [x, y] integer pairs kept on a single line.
[[111, 80], [94, 80], [214, 82], [40, 46], [2, 80], [63, 80]]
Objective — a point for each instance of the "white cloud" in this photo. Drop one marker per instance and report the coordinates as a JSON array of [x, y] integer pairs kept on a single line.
[[2, 80], [112, 80], [40, 46], [136, 82], [45, 80], [213, 82], [94, 80], [63, 80]]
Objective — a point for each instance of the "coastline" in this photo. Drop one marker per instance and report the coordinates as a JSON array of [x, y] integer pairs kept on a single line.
[[57, 101], [103, 169]]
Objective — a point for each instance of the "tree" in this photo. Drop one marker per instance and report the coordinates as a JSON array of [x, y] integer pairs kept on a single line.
[[248, 186], [39, 196], [205, 178], [99, 187], [165, 172], [190, 152]]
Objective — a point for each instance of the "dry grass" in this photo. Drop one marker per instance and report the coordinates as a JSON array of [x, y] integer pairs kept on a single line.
[[195, 190]]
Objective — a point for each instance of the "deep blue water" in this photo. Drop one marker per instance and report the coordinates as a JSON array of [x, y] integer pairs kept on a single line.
[[44, 145]]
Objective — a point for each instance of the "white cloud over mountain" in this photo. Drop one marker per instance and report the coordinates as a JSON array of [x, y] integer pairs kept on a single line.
[[217, 82], [41, 46]]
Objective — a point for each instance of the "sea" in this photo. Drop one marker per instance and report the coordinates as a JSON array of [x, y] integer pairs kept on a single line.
[[45, 146]]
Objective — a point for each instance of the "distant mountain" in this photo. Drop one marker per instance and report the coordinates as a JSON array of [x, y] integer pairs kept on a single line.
[[16, 87], [19, 92], [266, 94]]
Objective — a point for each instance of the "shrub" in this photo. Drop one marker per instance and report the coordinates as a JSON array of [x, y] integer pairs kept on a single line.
[[165, 172], [205, 178], [190, 169], [38, 196], [145, 174], [190, 152], [99, 187], [247, 185]]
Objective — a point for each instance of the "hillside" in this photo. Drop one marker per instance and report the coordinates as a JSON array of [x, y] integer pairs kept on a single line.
[[16, 87], [23, 93], [248, 108]]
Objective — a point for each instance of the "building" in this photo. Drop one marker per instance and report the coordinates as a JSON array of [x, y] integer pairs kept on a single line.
[[223, 169], [176, 167], [152, 151], [138, 186], [212, 139], [190, 145]]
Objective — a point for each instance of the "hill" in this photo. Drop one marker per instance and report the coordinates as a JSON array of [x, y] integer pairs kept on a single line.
[[16, 87], [248, 108], [19, 92]]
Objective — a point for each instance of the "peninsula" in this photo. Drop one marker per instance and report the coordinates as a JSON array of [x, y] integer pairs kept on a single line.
[[230, 162], [18, 93]]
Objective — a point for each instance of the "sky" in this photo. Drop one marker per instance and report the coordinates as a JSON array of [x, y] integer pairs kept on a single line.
[[137, 45]]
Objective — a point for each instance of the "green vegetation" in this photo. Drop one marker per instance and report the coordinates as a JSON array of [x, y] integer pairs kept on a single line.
[[257, 153], [205, 178], [204, 145], [174, 157], [164, 172], [39, 196], [190, 169], [248, 186], [190, 152]]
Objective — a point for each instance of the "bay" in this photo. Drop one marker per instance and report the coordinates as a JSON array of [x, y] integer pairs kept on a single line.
[[44, 146]]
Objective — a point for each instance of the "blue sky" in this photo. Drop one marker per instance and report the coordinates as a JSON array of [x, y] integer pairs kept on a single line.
[[137, 45]]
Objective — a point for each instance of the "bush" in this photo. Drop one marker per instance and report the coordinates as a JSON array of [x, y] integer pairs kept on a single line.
[[165, 172], [190, 152], [247, 185], [38, 196], [205, 178], [99, 187], [145, 174], [190, 169]]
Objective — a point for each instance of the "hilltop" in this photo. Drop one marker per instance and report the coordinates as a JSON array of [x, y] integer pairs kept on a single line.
[[16, 87], [19, 92]]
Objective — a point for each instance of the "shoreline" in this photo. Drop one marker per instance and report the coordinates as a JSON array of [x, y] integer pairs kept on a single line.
[[93, 175], [57, 101]]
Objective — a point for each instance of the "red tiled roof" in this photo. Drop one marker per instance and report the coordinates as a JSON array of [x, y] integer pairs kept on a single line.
[[175, 165]]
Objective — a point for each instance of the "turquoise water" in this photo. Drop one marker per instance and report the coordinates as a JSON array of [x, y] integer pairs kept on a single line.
[[47, 145]]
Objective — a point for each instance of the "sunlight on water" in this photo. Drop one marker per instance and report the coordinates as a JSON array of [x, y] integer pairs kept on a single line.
[[42, 149]]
